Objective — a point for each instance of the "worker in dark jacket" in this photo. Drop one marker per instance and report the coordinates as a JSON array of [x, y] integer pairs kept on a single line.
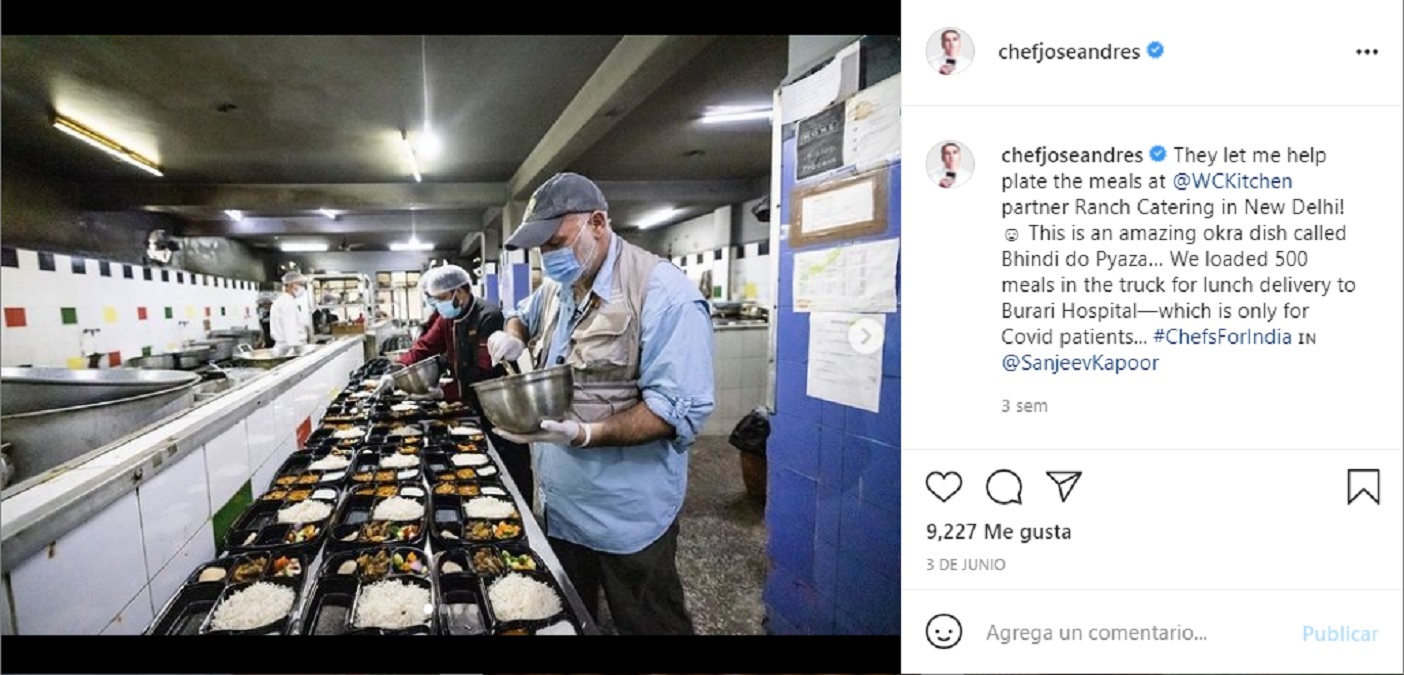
[[458, 330]]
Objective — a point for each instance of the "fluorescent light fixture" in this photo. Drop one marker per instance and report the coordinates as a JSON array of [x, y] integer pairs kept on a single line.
[[734, 114], [105, 144], [409, 149], [234, 214], [656, 218], [412, 245], [328, 213], [302, 246], [428, 144]]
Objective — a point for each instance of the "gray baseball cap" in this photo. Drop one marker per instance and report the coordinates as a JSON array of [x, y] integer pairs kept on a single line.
[[560, 196]]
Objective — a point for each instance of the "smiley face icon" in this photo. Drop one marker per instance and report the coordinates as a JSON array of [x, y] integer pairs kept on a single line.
[[943, 631]]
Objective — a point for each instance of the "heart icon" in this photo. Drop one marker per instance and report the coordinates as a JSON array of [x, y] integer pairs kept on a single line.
[[943, 485]]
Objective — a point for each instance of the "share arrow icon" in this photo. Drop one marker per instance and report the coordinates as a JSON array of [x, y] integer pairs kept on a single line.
[[1065, 481]]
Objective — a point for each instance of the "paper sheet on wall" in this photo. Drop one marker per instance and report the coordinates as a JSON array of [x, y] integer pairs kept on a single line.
[[872, 131], [839, 370], [835, 81], [854, 278]]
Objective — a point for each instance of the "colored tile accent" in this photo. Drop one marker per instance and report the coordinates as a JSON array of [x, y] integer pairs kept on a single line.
[[146, 351], [207, 326], [104, 268], [246, 311], [126, 271], [77, 363], [46, 261], [180, 277], [207, 311], [190, 311], [146, 273], [207, 280], [8, 257], [170, 312], [80, 265], [114, 359], [303, 431], [70, 315], [109, 315], [141, 314], [232, 509], [165, 275], [221, 311], [14, 317]]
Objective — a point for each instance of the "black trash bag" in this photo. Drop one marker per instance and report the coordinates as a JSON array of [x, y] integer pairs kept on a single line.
[[751, 432]]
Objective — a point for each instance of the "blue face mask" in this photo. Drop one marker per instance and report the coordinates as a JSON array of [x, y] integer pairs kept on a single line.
[[446, 308], [561, 265]]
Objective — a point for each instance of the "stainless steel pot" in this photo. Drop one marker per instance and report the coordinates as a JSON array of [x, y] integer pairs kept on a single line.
[[44, 439], [519, 403], [191, 358], [154, 362], [271, 357], [30, 389], [223, 347]]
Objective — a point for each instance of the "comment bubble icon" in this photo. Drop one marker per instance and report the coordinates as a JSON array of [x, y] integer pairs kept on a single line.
[[1004, 487]]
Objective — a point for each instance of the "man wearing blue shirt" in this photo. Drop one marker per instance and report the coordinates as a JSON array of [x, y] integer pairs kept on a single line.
[[638, 336]]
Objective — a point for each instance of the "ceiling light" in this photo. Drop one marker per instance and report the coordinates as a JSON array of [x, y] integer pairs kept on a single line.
[[734, 114], [234, 214], [409, 149], [105, 144], [656, 218], [428, 144], [302, 247], [412, 245], [328, 213]]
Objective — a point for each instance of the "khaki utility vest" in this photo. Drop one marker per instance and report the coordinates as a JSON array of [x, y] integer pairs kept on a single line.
[[604, 348]]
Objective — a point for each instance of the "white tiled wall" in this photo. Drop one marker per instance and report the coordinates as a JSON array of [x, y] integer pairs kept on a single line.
[[114, 572], [110, 305], [752, 268], [740, 372]]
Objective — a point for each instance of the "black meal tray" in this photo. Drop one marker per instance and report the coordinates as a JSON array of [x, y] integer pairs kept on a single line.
[[488, 560], [471, 487], [499, 626], [189, 610], [366, 469], [354, 520], [332, 605], [450, 527], [294, 472], [260, 521], [439, 466]]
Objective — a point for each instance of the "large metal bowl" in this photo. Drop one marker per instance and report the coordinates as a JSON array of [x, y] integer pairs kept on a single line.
[[519, 403], [270, 357], [418, 378], [31, 389]]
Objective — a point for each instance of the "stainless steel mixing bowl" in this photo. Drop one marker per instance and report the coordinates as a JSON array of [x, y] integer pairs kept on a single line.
[[518, 403], [419, 377]]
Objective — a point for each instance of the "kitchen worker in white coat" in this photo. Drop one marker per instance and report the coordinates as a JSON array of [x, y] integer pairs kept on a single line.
[[288, 320], [638, 337]]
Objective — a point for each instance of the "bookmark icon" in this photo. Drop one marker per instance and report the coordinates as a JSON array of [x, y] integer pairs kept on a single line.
[[1065, 480]]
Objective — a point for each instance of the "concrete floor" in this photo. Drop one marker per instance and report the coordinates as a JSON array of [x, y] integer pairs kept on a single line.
[[721, 545]]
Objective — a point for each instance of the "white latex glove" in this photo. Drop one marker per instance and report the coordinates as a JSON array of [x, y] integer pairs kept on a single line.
[[504, 346], [386, 384], [435, 394], [563, 432]]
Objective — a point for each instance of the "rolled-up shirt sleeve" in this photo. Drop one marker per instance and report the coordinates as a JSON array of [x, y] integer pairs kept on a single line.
[[527, 311], [675, 368]]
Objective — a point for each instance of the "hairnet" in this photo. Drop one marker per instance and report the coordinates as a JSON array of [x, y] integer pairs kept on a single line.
[[444, 279], [294, 278]]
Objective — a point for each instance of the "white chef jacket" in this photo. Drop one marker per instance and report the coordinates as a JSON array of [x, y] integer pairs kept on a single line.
[[288, 321]]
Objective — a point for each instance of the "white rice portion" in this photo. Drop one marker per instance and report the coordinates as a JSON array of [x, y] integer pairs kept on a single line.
[[398, 461], [465, 431], [398, 508], [404, 407], [469, 459], [406, 431], [309, 511], [489, 507], [329, 463], [517, 597], [257, 605], [353, 432], [392, 604]]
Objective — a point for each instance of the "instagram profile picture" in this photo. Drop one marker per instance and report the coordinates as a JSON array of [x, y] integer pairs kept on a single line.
[[949, 164], [950, 51]]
